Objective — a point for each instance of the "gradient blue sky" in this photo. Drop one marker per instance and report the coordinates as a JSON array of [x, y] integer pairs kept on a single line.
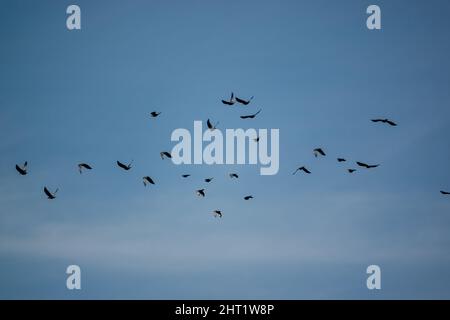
[[318, 74]]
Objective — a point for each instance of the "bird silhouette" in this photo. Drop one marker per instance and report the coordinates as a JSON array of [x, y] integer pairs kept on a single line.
[[256, 139], [365, 165], [146, 180], [351, 170], [210, 125], [234, 175], [251, 116], [208, 180], [185, 175], [248, 197], [229, 102], [124, 166], [390, 122], [22, 170], [217, 213], [302, 169], [154, 114], [82, 166], [341, 160], [445, 192], [49, 194], [165, 154], [318, 151], [201, 193], [244, 102]]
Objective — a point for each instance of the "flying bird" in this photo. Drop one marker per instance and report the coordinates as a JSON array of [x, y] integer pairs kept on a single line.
[[229, 102], [211, 126], [248, 197], [341, 160], [318, 151], [147, 180], [256, 139], [217, 213], [49, 194], [302, 169], [244, 102], [124, 166], [390, 122], [208, 180], [201, 193], [365, 165], [22, 170], [154, 114], [165, 154], [185, 175], [82, 166], [351, 170], [445, 192], [234, 175], [251, 116]]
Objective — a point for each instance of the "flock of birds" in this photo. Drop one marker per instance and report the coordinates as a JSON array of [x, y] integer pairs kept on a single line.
[[318, 152], [147, 180]]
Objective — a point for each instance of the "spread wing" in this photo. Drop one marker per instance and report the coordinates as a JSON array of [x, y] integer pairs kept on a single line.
[[120, 164], [47, 192], [361, 164], [20, 170], [241, 100], [306, 170], [392, 123], [85, 165]]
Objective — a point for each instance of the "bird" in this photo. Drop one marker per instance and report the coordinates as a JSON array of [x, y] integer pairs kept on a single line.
[[154, 114], [244, 102], [445, 192], [185, 175], [217, 213], [341, 160], [22, 170], [49, 194], [351, 170], [229, 102], [208, 180], [256, 139], [234, 175], [211, 126], [201, 193], [124, 166], [248, 197], [82, 166], [318, 151], [368, 166], [302, 169], [147, 179], [251, 116], [165, 154], [390, 122]]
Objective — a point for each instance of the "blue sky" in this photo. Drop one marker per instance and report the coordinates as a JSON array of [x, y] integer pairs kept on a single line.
[[318, 74]]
